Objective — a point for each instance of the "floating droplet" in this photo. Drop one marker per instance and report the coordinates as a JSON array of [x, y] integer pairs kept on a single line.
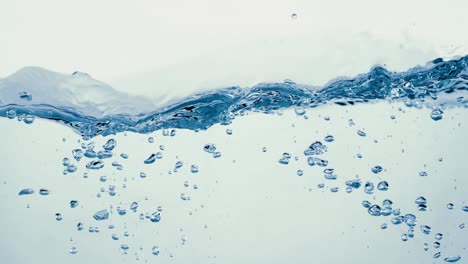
[[95, 165], [377, 169], [74, 203], [26, 191], [73, 250], [437, 114], [383, 226], [425, 229], [329, 138], [439, 236], [25, 96], [452, 259], [375, 210], [43, 191], [382, 186], [210, 148], [420, 200], [316, 148], [410, 220], [361, 133], [465, 208], [436, 244], [450, 206], [229, 131], [436, 255], [194, 169], [404, 237], [150, 139], [110, 144], [294, 16], [155, 250], [77, 154], [58, 217], [369, 188], [285, 159], [101, 215], [151, 159]]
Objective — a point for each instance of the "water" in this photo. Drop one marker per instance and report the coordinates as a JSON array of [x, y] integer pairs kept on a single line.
[[229, 173]]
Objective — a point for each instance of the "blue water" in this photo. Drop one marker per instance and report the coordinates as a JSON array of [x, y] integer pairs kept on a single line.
[[383, 148], [99, 114]]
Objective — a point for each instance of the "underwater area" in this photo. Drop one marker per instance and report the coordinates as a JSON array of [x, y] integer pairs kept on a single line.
[[368, 169]]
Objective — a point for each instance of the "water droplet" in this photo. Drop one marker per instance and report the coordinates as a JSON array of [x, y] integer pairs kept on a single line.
[[115, 237], [74, 203], [465, 208], [194, 169], [124, 156], [229, 131], [398, 220], [294, 16], [101, 215], [264, 149], [73, 250], [151, 159], [110, 144], [366, 204], [124, 247], [155, 217], [58, 217], [382, 186], [25, 96], [134, 206], [452, 259], [150, 139], [28, 119], [461, 226], [410, 220], [377, 169], [436, 255], [450, 206], [316, 148], [26, 191], [104, 154], [285, 159], [369, 187], [439, 236], [383, 226], [375, 210], [420, 200], [77, 154], [79, 226], [95, 165], [216, 154], [436, 244], [11, 114], [404, 237], [425, 247], [423, 174], [179, 164], [425, 229], [312, 161], [155, 250], [334, 189], [210, 148], [329, 138], [437, 114], [361, 133], [354, 183], [43, 191]]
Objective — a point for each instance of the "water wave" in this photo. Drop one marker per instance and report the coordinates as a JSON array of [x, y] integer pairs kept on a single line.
[[93, 108]]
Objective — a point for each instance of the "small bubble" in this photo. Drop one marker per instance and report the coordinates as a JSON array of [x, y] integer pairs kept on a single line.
[[404, 237], [437, 114], [229, 131], [452, 259], [150, 139], [361, 133], [73, 250], [436, 244], [299, 173], [294, 16], [450, 206], [383, 226], [439, 236], [382, 186], [58, 217], [423, 174], [436, 255], [43, 191], [155, 250], [377, 169]]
